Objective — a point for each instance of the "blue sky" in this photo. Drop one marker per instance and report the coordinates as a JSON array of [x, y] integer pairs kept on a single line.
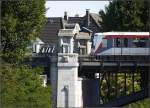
[[57, 8]]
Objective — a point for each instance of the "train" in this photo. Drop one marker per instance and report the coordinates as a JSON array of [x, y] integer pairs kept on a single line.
[[121, 44]]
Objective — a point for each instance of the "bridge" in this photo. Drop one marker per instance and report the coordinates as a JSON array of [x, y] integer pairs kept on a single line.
[[100, 78], [79, 80], [105, 72]]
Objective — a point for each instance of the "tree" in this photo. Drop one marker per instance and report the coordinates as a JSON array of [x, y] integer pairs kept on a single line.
[[121, 15], [21, 86], [139, 104], [21, 22]]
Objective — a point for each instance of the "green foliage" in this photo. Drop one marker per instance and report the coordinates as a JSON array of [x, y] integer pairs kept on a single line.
[[122, 15], [21, 22], [21, 87], [140, 104], [117, 89]]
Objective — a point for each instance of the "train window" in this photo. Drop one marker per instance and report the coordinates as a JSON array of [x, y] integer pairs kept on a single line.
[[105, 43], [140, 42], [125, 42], [118, 42]]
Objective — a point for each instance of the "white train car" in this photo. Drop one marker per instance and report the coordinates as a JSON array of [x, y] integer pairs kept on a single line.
[[122, 43]]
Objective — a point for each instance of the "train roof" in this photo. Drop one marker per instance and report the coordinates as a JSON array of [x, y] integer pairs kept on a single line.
[[123, 33]]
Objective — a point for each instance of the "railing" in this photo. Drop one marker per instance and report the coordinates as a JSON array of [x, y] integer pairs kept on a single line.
[[127, 58], [44, 50], [122, 83], [90, 58], [114, 85]]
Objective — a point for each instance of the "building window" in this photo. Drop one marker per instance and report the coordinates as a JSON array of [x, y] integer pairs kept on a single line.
[[83, 42], [65, 48], [66, 40], [65, 45], [82, 51]]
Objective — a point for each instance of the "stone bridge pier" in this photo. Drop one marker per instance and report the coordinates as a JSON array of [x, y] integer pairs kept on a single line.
[[69, 86]]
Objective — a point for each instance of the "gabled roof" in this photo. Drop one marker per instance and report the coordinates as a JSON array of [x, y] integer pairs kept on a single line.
[[78, 20], [50, 30], [86, 29], [69, 30], [66, 32], [96, 18]]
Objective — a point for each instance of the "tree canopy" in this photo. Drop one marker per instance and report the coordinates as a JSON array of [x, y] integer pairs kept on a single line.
[[21, 22], [21, 85], [122, 15]]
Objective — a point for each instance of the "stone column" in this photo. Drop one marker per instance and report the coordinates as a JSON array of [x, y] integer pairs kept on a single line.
[[69, 88], [71, 45], [53, 79], [88, 47]]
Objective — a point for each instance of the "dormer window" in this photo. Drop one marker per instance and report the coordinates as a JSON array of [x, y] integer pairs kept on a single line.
[[65, 48], [66, 37], [65, 44]]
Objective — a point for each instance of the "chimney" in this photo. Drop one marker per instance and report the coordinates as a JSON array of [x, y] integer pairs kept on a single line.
[[65, 16], [87, 17]]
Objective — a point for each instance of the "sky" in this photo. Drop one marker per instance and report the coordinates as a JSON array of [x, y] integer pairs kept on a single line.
[[57, 8]]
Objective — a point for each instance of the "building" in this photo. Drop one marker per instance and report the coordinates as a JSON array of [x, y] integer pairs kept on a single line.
[[89, 24]]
